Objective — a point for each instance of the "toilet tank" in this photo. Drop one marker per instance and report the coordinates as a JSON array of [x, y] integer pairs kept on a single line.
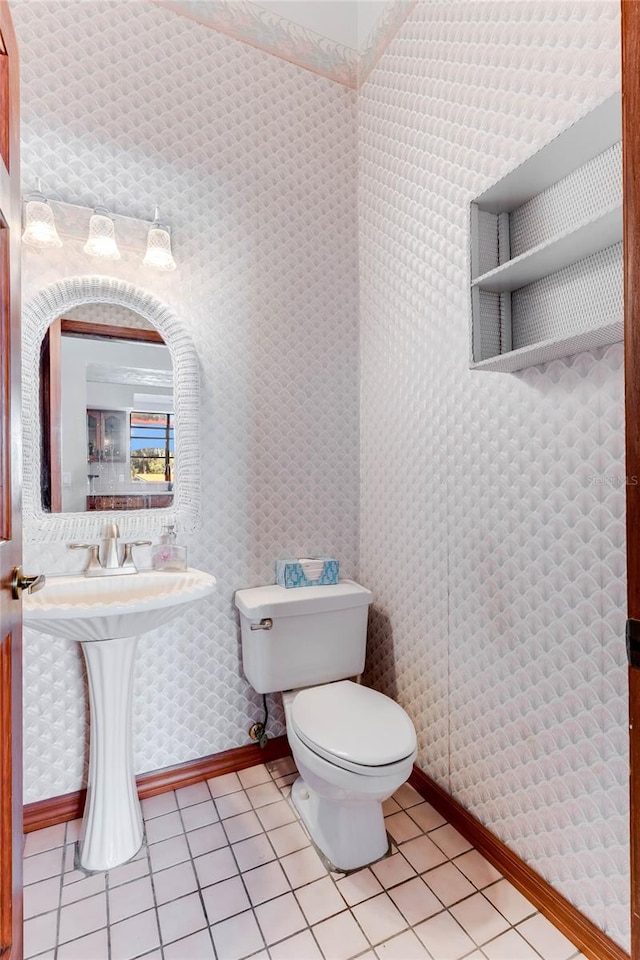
[[315, 635]]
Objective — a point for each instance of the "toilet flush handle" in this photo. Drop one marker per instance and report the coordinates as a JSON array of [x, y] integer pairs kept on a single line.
[[265, 624]]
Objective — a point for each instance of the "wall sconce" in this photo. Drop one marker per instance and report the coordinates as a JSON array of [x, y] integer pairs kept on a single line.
[[158, 253], [135, 235], [102, 236], [39, 223]]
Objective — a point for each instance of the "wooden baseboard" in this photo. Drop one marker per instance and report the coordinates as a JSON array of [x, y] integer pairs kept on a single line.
[[46, 813], [574, 925]]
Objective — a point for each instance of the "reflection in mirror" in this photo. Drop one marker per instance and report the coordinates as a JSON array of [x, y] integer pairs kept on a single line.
[[107, 412]]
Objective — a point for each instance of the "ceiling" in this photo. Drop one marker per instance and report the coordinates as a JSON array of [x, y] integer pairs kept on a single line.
[[338, 39]]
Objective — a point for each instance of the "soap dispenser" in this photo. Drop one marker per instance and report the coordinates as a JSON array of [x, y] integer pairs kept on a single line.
[[168, 555]]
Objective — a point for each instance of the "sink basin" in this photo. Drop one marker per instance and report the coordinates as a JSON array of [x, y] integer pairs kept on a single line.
[[106, 615], [107, 608]]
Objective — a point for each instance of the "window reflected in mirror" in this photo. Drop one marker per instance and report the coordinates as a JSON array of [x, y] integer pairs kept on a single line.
[[108, 415]]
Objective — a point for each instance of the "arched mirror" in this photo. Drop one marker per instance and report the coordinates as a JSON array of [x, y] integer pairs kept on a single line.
[[107, 412], [111, 412]]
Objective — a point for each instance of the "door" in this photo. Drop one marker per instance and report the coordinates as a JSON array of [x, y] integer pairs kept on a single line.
[[10, 532]]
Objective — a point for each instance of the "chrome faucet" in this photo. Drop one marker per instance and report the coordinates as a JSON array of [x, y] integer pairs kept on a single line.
[[112, 536], [109, 564]]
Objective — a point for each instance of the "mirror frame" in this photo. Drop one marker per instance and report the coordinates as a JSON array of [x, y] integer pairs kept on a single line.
[[53, 302]]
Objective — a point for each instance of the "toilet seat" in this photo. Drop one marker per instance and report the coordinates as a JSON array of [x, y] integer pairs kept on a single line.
[[353, 726]]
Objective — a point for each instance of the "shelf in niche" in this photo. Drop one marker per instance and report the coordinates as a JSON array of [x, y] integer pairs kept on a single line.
[[561, 251], [579, 169], [547, 350]]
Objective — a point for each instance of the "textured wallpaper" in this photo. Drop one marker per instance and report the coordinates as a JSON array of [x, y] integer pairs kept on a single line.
[[253, 163], [492, 512], [492, 504]]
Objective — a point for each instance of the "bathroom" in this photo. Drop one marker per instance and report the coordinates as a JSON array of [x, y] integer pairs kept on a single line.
[[319, 228]]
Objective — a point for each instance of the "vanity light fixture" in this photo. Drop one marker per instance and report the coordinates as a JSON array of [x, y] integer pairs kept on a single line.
[[39, 223], [102, 236], [158, 254]]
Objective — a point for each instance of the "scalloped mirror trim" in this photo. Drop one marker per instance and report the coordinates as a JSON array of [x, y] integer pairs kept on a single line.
[[46, 306]]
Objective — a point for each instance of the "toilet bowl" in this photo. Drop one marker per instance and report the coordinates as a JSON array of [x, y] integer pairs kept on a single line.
[[353, 748]]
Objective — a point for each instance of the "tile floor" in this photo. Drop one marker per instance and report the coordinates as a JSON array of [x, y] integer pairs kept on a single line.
[[228, 872]]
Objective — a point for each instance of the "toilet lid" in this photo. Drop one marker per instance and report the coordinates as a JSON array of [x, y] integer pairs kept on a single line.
[[352, 722]]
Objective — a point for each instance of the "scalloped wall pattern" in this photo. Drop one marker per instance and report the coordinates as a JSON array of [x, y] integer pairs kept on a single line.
[[258, 183], [492, 508], [492, 511]]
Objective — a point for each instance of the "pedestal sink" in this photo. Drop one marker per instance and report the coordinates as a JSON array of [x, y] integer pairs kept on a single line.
[[106, 615]]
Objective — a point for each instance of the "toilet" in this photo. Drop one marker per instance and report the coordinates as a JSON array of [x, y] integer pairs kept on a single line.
[[352, 745]]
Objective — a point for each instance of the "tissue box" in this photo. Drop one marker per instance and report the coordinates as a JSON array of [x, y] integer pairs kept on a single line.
[[307, 572]]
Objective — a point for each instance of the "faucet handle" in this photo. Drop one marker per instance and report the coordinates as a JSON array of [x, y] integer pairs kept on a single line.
[[93, 566], [127, 559]]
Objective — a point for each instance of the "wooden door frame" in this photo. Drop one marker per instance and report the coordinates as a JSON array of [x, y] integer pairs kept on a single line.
[[631, 206], [10, 512]]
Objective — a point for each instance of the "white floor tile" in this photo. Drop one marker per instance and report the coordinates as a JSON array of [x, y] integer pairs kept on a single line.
[[46, 839], [93, 947], [510, 946], [199, 815], [359, 886], [422, 854], [238, 937], [196, 793], [174, 882], [509, 901], [450, 841], [300, 946], [221, 786], [477, 869], [402, 827], [40, 934], [215, 866], [85, 916], [258, 887], [379, 918], [415, 900], [264, 883], [546, 939], [340, 937], [319, 900], [196, 947], [158, 806], [479, 918], [444, 938], [181, 918], [407, 796], [132, 898], [392, 870], [252, 776], [225, 899], [253, 852], [232, 805], [42, 897], [405, 946], [448, 884], [304, 866], [280, 918], [135, 936]]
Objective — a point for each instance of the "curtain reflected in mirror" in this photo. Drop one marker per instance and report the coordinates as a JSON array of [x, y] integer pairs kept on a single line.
[[107, 413]]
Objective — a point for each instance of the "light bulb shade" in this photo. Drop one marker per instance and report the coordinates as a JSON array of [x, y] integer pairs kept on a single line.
[[40, 225], [158, 253], [102, 238]]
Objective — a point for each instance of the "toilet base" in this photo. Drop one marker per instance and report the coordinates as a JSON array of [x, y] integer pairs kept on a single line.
[[349, 833]]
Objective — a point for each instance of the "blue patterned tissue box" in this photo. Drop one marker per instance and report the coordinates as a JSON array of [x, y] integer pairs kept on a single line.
[[307, 572]]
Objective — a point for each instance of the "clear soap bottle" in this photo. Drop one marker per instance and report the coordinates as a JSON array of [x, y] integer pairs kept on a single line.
[[168, 555]]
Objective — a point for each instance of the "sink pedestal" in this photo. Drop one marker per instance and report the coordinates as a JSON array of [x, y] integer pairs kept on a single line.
[[112, 824]]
